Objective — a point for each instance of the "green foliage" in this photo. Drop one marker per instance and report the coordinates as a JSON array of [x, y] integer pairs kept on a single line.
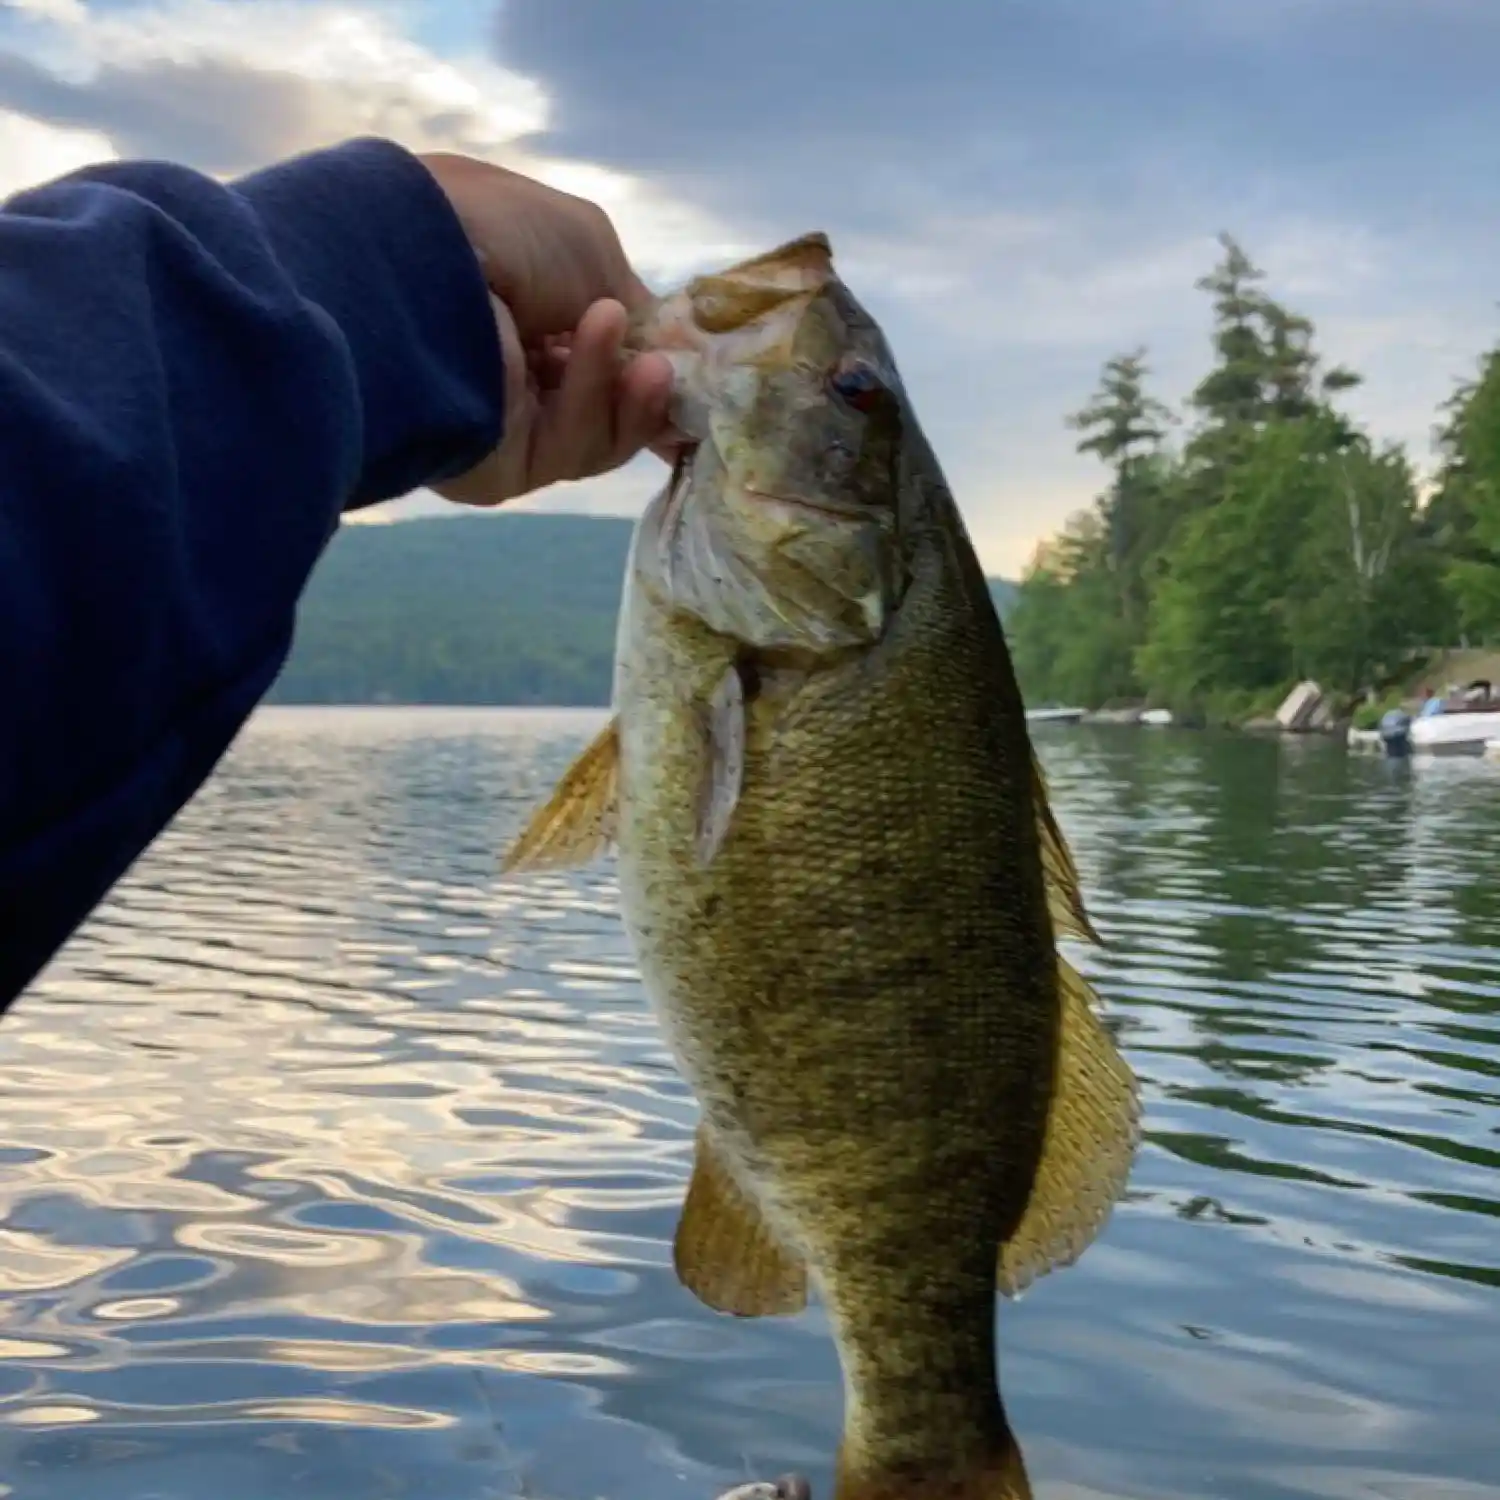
[[1464, 516], [1368, 715], [510, 607], [1003, 593], [1278, 542], [472, 608], [1066, 631]]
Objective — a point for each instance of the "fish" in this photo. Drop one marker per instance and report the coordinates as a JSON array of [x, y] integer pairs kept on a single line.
[[843, 882]]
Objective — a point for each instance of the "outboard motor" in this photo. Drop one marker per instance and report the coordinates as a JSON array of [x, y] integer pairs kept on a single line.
[[1394, 730]]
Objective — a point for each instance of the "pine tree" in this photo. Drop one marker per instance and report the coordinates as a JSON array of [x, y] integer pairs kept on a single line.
[[1125, 427]]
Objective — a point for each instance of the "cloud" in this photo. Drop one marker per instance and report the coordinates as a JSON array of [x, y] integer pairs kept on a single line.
[[33, 152], [1017, 188], [62, 11], [228, 85], [235, 116]]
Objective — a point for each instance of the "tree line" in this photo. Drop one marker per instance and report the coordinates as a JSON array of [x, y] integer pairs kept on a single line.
[[1264, 536], [469, 608], [509, 607]]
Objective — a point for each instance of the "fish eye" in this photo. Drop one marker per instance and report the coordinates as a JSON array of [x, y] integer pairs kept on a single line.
[[857, 385]]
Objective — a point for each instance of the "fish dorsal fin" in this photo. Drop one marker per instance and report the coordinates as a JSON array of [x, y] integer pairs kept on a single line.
[[799, 264], [1093, 1127], [1070, 918], [725, 1253], [746, 293], [577, 822]]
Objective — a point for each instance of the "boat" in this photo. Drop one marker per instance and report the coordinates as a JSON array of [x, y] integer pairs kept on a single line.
[[1054, 715], [1459, 724], [1156, 717]]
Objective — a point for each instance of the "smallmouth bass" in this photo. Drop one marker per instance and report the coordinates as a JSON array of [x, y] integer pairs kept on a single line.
[[843, 882]]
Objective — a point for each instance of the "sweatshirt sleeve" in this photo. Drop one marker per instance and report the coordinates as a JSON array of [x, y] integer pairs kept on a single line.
[[195, 381]]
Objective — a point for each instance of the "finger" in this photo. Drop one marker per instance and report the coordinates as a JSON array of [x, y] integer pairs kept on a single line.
[[634, 293], [576, 426], [644, 391], [548, 368]]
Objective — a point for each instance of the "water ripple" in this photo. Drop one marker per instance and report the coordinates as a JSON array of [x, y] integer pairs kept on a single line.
[[333, 1164]]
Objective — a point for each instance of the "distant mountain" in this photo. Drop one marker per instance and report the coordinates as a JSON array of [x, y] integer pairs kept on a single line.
[[505, 608], [1004, 593]]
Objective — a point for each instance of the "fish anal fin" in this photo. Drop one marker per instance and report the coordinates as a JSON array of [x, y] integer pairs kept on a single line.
[[1093, 1128], [725, 1252], [577, 822], [1070, 917]]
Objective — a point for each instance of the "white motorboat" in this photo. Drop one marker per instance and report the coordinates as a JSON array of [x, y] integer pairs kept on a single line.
[[1457, 725]]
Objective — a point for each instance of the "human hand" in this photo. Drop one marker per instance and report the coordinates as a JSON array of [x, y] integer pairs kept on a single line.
[[561, 289]]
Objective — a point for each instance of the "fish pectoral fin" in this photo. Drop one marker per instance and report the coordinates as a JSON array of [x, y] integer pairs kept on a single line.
[[1070, 917], [725, 1252], [577, 822], [1093, 1127], [724, 763]]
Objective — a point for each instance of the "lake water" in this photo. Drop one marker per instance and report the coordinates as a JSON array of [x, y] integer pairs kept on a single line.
[[332, 1167]]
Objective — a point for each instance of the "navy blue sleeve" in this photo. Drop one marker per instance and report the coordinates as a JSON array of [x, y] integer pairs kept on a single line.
[[196, 380]]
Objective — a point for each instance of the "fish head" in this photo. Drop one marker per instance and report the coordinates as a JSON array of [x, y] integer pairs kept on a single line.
[[778, 527]]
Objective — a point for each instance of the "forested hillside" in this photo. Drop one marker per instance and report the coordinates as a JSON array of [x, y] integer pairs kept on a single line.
[[510, 608], [1264, 535], [506, 608]]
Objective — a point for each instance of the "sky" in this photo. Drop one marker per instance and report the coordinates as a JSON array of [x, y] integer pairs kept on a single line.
[[1017, 189]]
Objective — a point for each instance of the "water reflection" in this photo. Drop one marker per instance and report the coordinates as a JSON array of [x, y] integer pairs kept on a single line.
[[330, 1164]]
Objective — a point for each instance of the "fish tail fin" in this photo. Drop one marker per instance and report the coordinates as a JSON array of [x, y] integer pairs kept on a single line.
[[999, 1474]]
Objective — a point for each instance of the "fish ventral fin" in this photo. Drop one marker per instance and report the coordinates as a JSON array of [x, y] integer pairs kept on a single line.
[[577, 822], [1093, 1127], [1070, 917], [725, 1252]]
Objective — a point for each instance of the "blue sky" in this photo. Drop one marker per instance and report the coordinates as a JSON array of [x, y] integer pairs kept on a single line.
[[1018, 188]]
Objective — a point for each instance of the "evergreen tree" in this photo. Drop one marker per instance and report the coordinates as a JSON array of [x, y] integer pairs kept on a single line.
[[1463, 518], [1232, 394], [1125, 427], [1281, 541]]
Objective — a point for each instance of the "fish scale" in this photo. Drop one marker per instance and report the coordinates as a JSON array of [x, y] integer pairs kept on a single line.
[[842, 881]]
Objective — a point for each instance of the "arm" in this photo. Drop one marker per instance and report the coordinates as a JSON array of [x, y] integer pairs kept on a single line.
[[195, 380]]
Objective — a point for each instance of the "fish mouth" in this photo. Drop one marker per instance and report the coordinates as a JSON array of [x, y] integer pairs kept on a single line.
[[824, 509]]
